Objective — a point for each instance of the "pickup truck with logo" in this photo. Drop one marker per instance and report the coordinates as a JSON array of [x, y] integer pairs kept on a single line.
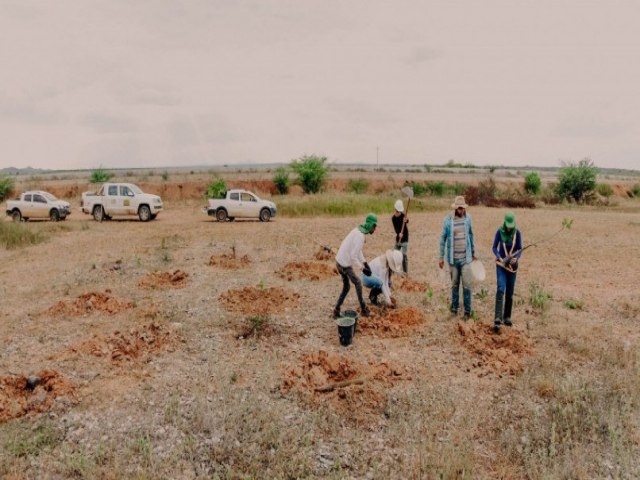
[[116, 199], [37, 204], [240, 204]]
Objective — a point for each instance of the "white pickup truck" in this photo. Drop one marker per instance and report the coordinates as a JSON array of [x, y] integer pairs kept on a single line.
[[121, 199], [37, 204], [240, 204]]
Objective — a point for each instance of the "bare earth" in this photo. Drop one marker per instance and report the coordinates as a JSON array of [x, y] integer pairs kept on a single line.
[[136, 328]]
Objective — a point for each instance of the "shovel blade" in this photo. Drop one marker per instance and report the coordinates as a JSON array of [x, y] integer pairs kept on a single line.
[[408, 191]]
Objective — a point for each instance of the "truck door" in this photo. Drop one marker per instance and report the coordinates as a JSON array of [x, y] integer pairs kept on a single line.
[[129, 204], [249, 205], [39, 207], [233, 205], [112, 201], [27, 205]]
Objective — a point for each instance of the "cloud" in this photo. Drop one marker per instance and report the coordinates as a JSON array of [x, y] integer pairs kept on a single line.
[[598, 128], [12, 110], [420, 55], [105, 123], [359, 112]]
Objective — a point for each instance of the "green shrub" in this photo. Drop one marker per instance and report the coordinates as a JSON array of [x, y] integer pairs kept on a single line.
[[604, 189], [100, 175], [437, 189], [538, 297], [635, 190], [217, 188], [532, 183], [281, 180], [577, 181], [312, 172], [165, 175], [357, 185], [6, 187]]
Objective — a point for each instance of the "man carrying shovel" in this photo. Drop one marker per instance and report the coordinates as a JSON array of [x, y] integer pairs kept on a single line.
[[349, 256], [400, 220], [507, 247]]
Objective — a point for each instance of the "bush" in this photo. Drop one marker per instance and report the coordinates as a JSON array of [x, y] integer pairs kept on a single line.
[[577, 181], [635, 190], [6, 187], [165, 175], [532, 183], [281, 180], [357, 186], [100, 175], [16, 235], [217, 189], [312, 172], [604, 189]]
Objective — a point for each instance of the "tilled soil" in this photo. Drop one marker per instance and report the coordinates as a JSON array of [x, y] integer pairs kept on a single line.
[[17, 399], [391, 323], [407, 284], [502, 352], [259, 301], [307, 270], [356, 389], [177, 279], [91, 302]]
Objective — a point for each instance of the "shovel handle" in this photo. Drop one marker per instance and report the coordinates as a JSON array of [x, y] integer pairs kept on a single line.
[[404, 220]]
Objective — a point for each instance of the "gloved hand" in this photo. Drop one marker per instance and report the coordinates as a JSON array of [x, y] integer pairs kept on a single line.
[[513, 261], [506, 260], [366, 270]]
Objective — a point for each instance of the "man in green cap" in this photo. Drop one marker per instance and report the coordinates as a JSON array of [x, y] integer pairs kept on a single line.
[[507, 248], [350, 256]]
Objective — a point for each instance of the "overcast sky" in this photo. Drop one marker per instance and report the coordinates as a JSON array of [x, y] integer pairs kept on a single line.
[[135, 83]]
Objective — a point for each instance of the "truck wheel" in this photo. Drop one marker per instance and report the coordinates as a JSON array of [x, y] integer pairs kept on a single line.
[[16, 216], [221, 215], [54, 215], [265, 215], [98, 213], [144, 213]]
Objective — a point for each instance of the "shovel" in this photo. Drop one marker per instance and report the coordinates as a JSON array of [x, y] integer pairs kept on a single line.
[[408, 191]]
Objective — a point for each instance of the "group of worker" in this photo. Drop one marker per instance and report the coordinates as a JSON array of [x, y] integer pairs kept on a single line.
[[457, 249]]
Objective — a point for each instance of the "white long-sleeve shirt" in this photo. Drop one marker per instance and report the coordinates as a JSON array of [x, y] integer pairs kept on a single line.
[[380, 269], [350, 251]]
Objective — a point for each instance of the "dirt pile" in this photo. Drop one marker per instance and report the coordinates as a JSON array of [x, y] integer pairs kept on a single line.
[[229, 261], [391, 323], [502, 353], [307, 270], [355, 388], [259, 301], [19, 396], [408, 285], [122, 347], [177, 279], [90, 302]]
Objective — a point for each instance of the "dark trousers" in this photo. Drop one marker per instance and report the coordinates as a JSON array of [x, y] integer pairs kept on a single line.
[[506, 286], [348, 275]]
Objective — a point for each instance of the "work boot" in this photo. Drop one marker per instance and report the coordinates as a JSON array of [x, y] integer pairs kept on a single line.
[[498, 312], [496, 325], [373, 295], [508, 322], [364, 311]]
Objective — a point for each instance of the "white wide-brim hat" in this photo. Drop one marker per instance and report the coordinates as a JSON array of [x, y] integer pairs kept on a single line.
[[399, 206], [394, 260], [459, 202]]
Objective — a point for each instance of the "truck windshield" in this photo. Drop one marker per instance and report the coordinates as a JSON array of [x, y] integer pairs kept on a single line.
[[135, 189], [49, 197]]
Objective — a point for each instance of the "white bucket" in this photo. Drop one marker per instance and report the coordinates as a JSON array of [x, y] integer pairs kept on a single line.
[[477, 271]]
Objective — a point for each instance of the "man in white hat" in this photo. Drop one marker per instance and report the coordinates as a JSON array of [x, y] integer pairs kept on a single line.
[[456, 240], [400, 220], [382, 268]]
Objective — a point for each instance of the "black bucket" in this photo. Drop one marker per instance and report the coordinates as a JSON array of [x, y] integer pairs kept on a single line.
[[352, 314], [346, 327]]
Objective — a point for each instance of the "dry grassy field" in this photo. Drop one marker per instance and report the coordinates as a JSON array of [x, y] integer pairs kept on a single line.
[[186, 348]]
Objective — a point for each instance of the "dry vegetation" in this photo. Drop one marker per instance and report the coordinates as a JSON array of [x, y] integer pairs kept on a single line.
[[185, 348]]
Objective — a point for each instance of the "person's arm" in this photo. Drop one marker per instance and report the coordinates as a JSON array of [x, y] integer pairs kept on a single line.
[[473, 245], [443, 237], [518, 247], [386, 291], [496, 246], [357, 256]]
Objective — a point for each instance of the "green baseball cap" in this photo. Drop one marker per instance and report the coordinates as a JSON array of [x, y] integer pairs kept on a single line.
[[510, 220], [369, 222]]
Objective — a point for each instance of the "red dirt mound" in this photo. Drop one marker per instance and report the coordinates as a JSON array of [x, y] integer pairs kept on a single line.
[[308, 270], [17, 399], [135, 345], [502, 353], [358, 389], [90, 302], [177, 279], [229, 261], [259, 301], [409, 285], [393, 323]]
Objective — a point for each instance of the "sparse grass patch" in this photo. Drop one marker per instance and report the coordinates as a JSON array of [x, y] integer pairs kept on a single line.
[[27, 441], [18, 235], [574, 304], [539, 298]]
